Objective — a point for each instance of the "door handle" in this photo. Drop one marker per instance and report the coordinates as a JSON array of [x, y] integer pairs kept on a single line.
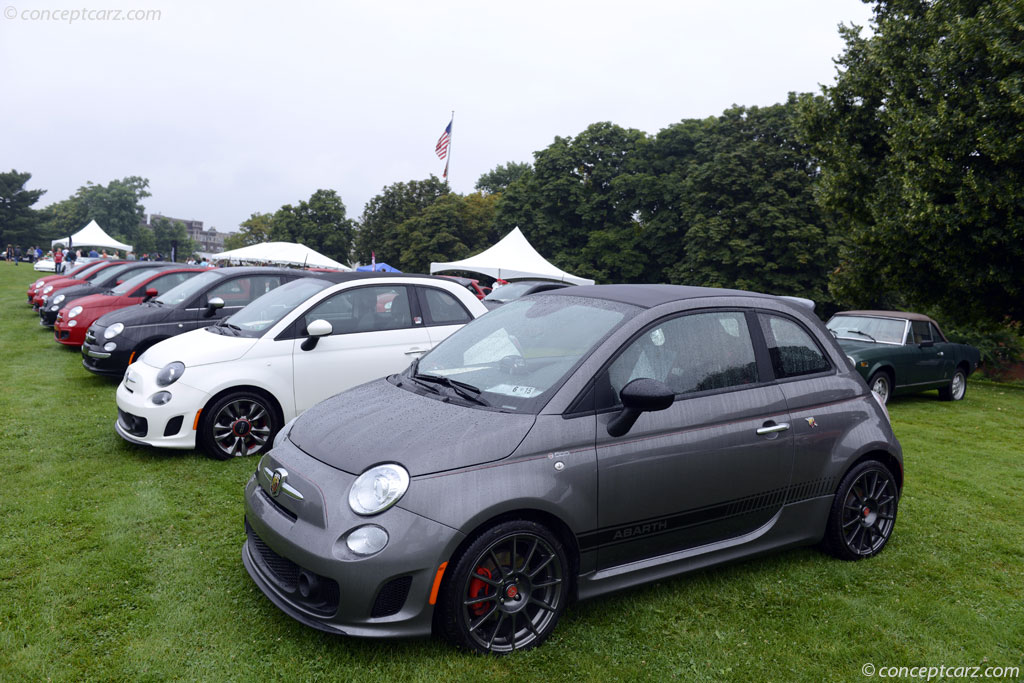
[[941, 353], [414, 351], [773, 428]]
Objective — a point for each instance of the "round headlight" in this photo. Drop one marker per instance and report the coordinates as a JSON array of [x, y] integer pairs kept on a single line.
[[57, 299], [161, 397], [109, 346], [72, 323], [75, 311], [367, 540], [378, 488], [38, 283], [113, 330], [170, 373], [853, 363], [47, 289], [54, 308]]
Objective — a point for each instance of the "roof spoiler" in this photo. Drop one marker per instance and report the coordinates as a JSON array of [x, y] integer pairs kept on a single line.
[[807, 303]]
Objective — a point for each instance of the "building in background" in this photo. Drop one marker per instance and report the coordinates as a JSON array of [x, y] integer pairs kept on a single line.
[[209, 241]]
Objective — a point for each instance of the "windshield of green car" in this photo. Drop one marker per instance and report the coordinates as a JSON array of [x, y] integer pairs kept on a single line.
[[189, 288], [868, 329], [514, 357], [134, 281], [266, 311]]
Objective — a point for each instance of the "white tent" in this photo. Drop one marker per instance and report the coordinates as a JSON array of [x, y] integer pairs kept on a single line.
[[511, 258], [92, 235], [288, 253]]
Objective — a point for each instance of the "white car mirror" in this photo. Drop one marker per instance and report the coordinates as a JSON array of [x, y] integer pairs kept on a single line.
[[316, 329]]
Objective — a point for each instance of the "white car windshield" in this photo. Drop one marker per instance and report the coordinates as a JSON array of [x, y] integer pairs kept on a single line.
[[266, 311], [868, 329], [515, 356], [189, 288]]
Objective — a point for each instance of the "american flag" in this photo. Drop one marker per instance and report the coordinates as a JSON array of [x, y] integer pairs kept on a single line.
[[443, 142]]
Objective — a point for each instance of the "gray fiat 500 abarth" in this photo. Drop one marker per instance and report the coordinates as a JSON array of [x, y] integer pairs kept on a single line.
[[565, 445]]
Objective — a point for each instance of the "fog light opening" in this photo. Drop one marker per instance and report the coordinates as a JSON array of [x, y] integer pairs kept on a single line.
[[309, 584]]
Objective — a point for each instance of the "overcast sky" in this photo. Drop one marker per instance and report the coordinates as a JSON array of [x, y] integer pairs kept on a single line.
[[231, 108]]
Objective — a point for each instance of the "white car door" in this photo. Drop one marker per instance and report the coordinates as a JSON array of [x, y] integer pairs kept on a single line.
[[374, 334]]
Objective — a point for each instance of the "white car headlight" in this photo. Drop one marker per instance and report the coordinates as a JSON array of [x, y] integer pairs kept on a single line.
[[170, 374], [75, 311], [47, 289], [113, 330], [367, 540], [57, 299], [378, 488]]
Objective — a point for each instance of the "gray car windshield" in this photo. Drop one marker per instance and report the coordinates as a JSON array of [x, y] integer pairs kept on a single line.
[[868, 329], [189, 288], [517, 355], [266, 311]]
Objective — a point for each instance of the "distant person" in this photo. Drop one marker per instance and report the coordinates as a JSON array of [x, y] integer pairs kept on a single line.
[[39, 253], [72, 257], [105, 255], [204, 263], [17, 254], [9, 252], [58, 261], [93, 254]]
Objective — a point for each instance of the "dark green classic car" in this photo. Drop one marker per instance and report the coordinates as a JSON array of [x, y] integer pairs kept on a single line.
[[902, 353]]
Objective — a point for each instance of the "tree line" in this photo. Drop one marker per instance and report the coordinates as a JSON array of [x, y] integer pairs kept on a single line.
[[897, 187]]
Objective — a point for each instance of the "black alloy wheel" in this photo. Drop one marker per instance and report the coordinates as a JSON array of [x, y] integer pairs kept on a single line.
[[508, 589], [863, 513], [238, 424]]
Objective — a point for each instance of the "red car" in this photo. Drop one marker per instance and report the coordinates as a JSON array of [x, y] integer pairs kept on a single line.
[[77, 274], [474, 286], [72, 323], [50, 288]]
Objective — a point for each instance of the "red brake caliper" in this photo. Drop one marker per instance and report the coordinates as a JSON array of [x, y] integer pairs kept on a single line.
[[478, 589]]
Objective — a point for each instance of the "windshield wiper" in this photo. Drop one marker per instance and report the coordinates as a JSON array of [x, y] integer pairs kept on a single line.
[[863, 333], [463, 389]]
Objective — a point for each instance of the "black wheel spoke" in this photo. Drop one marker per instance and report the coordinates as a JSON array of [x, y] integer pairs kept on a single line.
[[477, 601], [497, 564], [853, 520], [529, 555], [501, 620], [489, 582], [479, 622], [513, 622], [545, 584], [541, 566], [543, 605]]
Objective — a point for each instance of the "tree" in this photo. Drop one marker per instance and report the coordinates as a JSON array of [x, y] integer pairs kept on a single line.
[[921, 142], [166, 233], [320, 224], [18, 220], [255, 230], [378, 226], [116, 207], [453, 227], [500, 177], [578, 207]]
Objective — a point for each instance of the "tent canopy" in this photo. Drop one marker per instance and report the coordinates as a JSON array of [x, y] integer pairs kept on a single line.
[[380, 268], [510, 259], [92, 235], [287, 253]]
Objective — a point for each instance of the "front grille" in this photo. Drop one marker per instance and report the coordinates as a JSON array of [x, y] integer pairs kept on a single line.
[[270, 500], [133, 424], [90, 337], [391, 597], [321, 594]]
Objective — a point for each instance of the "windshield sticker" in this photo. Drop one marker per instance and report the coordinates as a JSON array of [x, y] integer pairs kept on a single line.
[[518, 390]]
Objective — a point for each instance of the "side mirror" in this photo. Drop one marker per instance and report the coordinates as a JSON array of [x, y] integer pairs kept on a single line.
[[640, 396], [150, 293], [927, 344], [316, 329], [213, 305]]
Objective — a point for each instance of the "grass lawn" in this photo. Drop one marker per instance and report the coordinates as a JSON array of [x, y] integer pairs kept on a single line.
[[119, 562]]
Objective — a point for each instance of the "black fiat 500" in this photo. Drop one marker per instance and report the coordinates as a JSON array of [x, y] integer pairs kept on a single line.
[[566, 445], [117, 338], [105, 281]]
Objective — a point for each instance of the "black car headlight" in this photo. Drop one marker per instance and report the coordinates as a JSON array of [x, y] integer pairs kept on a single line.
[[378, 488], [170, 374], [113, 330]]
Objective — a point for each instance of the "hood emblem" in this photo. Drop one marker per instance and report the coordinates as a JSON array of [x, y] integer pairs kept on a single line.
[[276, 480]]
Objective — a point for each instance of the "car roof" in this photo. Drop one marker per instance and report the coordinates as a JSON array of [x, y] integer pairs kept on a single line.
[[338, 277], [902, 315], [649, 296]]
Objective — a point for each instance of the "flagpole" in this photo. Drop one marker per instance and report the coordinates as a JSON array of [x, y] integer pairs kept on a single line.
[[448, 163]]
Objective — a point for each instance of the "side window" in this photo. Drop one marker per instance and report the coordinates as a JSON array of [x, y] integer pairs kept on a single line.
[[921, 331], [691, 353], [364, 309], [443, 308], [165, 282], [792, 348], [936, 335], [243, 290]]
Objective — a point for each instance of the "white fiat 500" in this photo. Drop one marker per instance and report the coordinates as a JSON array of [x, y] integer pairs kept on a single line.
[[229, 388]]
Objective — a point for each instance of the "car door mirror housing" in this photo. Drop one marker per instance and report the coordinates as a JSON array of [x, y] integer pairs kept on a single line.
[[640, 396], [316, 329], [150, 293], [213, 305]]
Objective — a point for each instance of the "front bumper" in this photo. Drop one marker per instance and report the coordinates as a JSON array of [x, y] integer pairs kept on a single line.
[[383, 595], [140, 421], [106, 363], [67, 333]]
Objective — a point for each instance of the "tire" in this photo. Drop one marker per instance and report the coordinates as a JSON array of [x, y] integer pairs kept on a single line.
[[957, 387], [881, 384], [237, 424], [515, 577], [863, 512]]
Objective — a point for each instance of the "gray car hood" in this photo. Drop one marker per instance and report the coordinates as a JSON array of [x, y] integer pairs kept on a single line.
[[380, 422]]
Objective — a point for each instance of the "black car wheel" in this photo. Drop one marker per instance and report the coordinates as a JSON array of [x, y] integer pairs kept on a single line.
[[957, 387], [237, 424], [863, 513], [508, 589], [881, 384]]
